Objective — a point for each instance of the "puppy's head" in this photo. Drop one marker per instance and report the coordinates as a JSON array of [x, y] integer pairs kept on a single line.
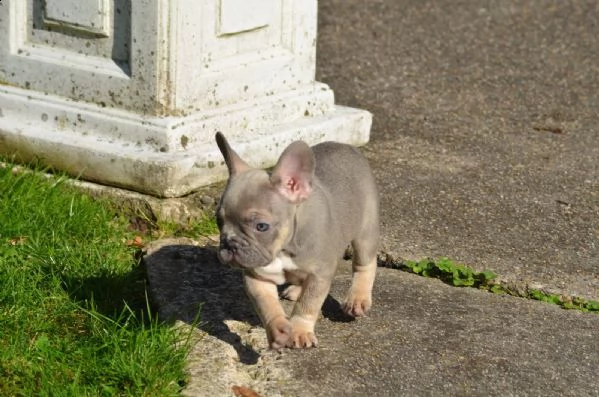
[[256, 212]]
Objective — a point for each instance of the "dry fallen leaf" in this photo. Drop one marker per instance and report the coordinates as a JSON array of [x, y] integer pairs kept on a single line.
[[242, 391], [17, 240], [137, 242]]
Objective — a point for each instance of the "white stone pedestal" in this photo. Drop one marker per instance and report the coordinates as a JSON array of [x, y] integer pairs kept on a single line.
[[131, 92]]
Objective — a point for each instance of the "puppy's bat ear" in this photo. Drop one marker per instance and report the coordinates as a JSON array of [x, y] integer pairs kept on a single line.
[[293, 174], [234, 163]]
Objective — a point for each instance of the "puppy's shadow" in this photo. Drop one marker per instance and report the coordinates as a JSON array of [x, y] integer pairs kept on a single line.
[[332, 310], [187, 279]]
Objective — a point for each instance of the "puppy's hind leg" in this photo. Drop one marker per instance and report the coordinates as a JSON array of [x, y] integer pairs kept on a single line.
[[359, 298], [292, 292]]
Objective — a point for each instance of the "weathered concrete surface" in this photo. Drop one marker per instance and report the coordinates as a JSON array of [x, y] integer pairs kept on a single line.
[[422, 337], [485, 136], [186, 279], [426, 338], [485, 144]]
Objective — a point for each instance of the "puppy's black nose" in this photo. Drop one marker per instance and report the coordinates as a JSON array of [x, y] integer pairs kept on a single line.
[[224, 243], [225, 252]]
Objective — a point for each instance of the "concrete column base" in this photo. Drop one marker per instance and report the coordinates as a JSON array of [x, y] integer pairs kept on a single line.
[[167, 156]]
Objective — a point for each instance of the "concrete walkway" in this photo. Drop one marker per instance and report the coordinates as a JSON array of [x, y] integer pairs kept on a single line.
[[485, 144], [486, 128]]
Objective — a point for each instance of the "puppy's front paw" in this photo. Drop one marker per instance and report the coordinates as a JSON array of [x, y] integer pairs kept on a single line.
[[357, 305], [302, 340], [279, 332], [303, 334]]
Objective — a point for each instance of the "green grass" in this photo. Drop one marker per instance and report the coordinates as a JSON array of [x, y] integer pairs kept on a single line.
[[460, 275], [203, 227], [74, 318]]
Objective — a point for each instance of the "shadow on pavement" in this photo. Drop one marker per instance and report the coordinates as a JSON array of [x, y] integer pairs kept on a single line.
[[188, 283]]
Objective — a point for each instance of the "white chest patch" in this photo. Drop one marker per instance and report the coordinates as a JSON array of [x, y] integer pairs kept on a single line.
[[275, 270]]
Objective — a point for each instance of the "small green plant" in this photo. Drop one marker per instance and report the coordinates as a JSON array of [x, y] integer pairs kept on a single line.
[[205, 227], [448, 271], [575, 303], [460, 275]]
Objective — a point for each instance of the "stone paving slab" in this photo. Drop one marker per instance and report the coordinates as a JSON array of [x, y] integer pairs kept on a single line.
[[485, 138], [422, 337]]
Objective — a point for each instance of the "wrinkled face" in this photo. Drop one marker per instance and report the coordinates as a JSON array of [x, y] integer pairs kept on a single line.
[[255, 221]]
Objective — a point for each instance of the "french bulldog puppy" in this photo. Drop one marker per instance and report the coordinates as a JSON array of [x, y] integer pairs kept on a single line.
[[292, 226]]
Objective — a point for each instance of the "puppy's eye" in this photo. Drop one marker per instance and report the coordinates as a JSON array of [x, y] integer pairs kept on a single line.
[[262, 227]]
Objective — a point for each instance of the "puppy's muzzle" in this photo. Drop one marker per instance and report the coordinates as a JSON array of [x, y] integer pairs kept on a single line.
[[229, 249], [236, 251]]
